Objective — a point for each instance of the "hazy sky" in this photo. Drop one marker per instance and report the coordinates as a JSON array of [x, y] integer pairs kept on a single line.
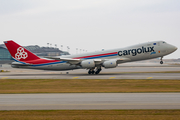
[[90, 24]]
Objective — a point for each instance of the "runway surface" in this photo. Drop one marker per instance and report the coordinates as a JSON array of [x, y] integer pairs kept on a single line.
[[121, 72], [78, 101], [98, 101]]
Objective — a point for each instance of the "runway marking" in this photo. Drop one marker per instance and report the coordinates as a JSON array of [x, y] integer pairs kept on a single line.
[[4, 77], [75, 77], [149, 78], [112, 77]]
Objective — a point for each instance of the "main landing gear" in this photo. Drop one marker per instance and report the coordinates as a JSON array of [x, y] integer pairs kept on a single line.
[[97, 71], [91, 71], [161, 62]]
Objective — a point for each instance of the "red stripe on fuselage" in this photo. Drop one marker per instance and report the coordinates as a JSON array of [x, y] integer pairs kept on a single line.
[[95, 55], [41, 61], [45, 61]]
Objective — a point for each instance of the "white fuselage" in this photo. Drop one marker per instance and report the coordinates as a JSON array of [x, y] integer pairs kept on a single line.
[[137, 52]]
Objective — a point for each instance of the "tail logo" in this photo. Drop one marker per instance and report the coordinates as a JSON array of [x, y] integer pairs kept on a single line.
[[21, 53]]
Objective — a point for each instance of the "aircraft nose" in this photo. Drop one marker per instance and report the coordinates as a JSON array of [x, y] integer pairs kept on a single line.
[[175, 48], [172, 47]]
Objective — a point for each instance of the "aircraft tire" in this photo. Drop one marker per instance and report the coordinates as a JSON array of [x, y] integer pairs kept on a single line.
[[97, 72], [89, 72], [161, 62]]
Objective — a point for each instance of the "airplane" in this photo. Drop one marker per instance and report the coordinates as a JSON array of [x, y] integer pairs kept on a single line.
[[92, 61]]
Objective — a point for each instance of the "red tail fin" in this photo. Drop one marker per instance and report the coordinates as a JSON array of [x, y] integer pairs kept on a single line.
[[19, 53]]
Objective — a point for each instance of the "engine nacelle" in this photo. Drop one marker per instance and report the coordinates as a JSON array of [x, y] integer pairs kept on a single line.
[[88, 64], [110, 64]]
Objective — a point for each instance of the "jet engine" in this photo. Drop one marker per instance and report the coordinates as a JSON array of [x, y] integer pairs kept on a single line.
[[110, 64], [88, 64]]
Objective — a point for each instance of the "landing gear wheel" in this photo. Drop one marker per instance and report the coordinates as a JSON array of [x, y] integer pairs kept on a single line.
[[98, 71], [161, 62], [91, 72]]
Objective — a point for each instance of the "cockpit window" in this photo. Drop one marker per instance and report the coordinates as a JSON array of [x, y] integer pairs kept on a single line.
[[164, 42]]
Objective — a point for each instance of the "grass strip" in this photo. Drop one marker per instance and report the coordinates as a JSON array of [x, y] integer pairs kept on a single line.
[[140, 72], [87, 86], [91, 115]]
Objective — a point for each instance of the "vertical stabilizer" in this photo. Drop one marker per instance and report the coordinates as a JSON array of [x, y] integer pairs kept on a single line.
[[19, 53]]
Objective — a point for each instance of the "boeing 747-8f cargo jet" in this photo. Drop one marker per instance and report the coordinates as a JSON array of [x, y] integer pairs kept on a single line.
[[92, 61]]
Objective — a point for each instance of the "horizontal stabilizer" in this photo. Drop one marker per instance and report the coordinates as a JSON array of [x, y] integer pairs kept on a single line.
[[20, 64]]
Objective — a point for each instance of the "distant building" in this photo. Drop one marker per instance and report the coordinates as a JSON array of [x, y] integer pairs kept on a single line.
[[5, 56], [4, 53], [45, 51]]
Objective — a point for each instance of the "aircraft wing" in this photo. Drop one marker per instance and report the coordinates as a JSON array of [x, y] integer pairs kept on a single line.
[[123, 59], [73, 61], [118, 60], [68, 60], [78, 61]]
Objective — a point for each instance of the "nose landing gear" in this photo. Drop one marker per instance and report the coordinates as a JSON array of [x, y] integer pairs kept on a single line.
[[161, 62]]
